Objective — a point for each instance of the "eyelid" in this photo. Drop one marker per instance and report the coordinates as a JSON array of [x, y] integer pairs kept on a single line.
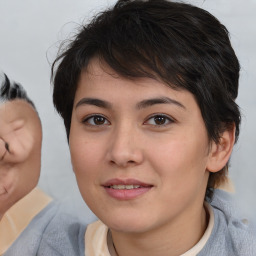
[[168, 117], [86, 118]]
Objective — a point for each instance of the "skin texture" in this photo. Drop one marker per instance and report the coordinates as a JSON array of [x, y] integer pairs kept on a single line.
[[20, 162], [173, 155]]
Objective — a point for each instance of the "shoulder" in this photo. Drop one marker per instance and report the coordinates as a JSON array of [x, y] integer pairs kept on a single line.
[[64, 235], [32, 234], [231, 235], [52, 232]]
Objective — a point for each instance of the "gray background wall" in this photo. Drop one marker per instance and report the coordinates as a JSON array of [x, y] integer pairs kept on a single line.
[[30, 32]]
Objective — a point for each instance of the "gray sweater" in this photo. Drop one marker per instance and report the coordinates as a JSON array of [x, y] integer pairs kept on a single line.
[[51, 233], [230, 236], [54, 233]]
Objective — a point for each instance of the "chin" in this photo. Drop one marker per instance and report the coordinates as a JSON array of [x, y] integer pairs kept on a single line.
[[128, 228], [127, 223]]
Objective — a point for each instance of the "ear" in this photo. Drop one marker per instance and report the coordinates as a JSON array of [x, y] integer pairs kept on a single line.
[[220, 152]]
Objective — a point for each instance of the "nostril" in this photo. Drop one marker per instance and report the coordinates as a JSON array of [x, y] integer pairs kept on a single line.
[[123, 163]]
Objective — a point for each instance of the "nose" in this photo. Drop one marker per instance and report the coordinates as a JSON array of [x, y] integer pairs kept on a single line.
[[125, 148]]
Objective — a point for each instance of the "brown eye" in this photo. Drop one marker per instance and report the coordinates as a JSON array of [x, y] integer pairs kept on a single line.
[[96, 120], [99, 120], [159, 120]]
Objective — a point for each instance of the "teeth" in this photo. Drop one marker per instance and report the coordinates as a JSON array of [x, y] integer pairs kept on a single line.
[[124, 186]]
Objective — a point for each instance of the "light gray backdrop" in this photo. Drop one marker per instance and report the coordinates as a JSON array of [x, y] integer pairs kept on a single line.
[[30, 32]]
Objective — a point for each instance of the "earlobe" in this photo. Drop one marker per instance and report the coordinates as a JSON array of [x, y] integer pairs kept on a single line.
[[220, 152]]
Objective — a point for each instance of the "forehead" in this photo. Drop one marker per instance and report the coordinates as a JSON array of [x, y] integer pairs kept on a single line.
[[99, 78]]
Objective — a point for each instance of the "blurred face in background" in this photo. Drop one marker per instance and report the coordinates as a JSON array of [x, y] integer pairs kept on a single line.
[[20, 159]]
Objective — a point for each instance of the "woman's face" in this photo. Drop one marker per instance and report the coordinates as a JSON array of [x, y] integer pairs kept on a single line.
[[139, 150]]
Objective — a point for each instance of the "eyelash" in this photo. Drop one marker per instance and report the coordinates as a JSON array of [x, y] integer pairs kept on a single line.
[[165, 118], [93, 117]]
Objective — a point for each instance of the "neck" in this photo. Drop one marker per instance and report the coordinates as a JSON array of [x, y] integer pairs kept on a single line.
[[171, 239]]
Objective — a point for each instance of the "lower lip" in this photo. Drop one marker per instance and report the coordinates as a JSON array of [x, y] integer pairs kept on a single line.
[[126, 194]]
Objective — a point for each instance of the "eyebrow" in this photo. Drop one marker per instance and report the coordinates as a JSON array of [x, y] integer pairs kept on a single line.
[[142, 104], [94, 102], [161, 100]]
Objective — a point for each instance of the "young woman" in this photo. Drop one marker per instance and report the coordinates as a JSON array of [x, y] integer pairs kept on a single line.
[[147, 92]]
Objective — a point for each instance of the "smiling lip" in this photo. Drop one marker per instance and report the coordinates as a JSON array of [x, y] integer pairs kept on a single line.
[[126, 189]]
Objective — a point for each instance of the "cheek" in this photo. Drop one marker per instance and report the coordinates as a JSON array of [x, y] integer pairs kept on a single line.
[[83, 147], [181, 168], [182, 159], [83, 161], [86, 157]]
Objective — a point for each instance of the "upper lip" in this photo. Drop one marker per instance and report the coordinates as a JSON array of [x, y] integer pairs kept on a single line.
[[125, 182]]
